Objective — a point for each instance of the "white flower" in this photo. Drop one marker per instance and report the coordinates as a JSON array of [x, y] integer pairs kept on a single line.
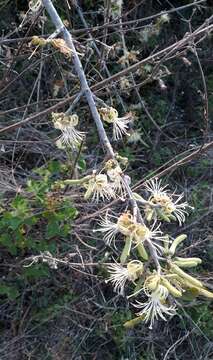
[[98, 188], [155, 307], [127, 226], [143, 233], [110, 229], [168, 202], [179, 210], [119, 274], [115, 175], [34, 5], [67, 123], [120, 125], [155, 188], [123, 225]]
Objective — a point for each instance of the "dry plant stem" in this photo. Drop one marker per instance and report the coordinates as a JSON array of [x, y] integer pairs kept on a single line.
[[91, 102], [176, 47], [79, 69], [81, 15]]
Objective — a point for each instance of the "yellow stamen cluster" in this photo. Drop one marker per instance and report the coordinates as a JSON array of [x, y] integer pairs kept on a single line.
[[135, 269], [109, 114], [61, 121]]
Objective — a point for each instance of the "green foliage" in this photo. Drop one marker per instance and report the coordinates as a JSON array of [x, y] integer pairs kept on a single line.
[[36, 220], [202, 316], [11, 292], [119, 332], [41, 208]]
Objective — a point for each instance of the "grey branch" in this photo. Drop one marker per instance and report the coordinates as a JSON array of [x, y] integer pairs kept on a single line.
[[85, 89], [79, 69]]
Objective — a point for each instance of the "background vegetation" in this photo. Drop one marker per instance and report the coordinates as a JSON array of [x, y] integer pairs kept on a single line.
[[54, 310]]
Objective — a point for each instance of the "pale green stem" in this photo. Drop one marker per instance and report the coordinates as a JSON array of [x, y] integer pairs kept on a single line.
[[142, 252], [77, 181], [126, 250]]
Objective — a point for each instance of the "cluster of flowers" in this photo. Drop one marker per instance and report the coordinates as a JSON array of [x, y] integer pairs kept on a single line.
[[107, 184], [160, 287], [72, 138], [147, 243]]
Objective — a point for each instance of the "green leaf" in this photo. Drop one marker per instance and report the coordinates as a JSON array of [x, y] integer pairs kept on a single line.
[[7, 241], [36, 271], [53, 228], [10, 291]]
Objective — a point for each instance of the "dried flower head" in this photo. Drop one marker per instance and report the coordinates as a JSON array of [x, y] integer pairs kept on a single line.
[[128, 57], [60, 45]]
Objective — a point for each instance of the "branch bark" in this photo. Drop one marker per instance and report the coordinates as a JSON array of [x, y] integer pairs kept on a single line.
[[80, 72]]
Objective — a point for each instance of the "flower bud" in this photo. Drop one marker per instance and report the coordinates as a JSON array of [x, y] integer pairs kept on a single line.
[[162, 215], [187, 262], [176, 242], [39, 41], [149, 214], [205, 293], [172, 290], [187, 277], [130, 324], [142, 252]]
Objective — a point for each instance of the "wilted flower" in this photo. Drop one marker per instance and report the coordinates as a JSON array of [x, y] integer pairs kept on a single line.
[[116, 8], [98, 188], [168, 206], [134, 137], [67, 123], [120, 125], [128, 57], [155, 307], [125, 84], [164, 18], [120, 274]]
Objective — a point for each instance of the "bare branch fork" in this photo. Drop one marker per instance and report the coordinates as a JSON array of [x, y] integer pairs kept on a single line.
[[91, 102]]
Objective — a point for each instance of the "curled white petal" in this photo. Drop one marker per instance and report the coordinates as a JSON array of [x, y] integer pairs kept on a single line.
[[120, 128], [155, 307], [109, 228], [118, 277]]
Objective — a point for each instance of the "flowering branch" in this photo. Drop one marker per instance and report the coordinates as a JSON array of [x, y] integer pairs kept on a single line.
[[157, 285]]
